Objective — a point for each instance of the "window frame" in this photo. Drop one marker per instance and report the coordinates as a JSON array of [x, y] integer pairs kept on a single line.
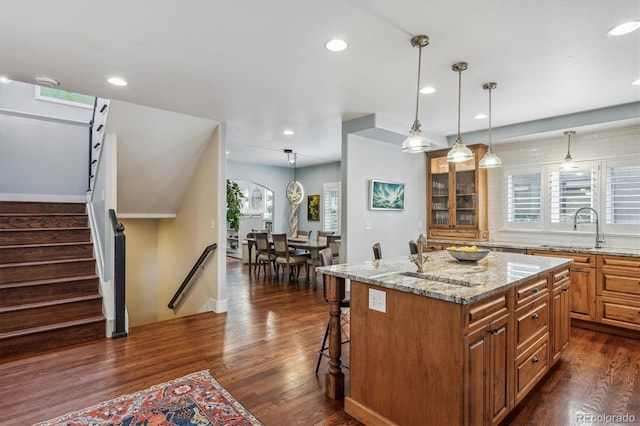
[[594, 167], [532, 226], [614, 228], [326, 187]]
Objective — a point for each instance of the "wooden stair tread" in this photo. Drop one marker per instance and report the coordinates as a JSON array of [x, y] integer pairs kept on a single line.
[[26, 246], [47, 281], [74, 228], [48, 262], [50, 327], [49, 303]]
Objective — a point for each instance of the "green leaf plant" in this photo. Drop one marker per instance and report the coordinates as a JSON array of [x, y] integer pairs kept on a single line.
[[234, 204]]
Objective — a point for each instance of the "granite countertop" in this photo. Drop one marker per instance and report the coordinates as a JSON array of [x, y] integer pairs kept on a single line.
[[612, 251], [446, 278]]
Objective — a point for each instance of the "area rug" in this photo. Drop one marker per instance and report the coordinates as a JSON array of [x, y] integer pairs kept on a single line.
[[195, 399]]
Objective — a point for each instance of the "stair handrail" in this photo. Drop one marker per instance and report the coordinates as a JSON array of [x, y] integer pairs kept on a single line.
[[119, 261], [180, 292]]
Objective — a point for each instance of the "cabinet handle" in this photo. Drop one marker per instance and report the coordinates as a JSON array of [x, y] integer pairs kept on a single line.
[[535, 290], [535, 315], [534, 359], [565, 289], [493, 330], [562, 277]]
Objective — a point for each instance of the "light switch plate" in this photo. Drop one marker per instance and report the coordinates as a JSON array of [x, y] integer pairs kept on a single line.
[[367, 225], [377, 300]]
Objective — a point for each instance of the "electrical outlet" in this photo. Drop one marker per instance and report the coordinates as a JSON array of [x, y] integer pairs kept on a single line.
[[213, 224], [377, 300]]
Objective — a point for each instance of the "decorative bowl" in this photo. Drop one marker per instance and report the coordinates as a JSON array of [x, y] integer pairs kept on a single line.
[[469, 256]]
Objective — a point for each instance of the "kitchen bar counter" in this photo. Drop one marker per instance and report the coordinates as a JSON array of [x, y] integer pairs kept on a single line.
[[445, 281]]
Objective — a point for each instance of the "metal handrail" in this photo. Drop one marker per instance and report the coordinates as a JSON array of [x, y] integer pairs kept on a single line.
[[119, 258], [180, 292]]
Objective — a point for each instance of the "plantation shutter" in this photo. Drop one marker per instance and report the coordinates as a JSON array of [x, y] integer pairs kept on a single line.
[[523, 197], [331, 207], [571, 190], [623, 195]]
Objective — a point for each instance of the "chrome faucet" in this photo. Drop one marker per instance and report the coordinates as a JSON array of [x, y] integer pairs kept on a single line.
[[599, 240]]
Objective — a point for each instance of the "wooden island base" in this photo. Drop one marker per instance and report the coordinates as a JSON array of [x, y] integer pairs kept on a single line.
[[441, 362]]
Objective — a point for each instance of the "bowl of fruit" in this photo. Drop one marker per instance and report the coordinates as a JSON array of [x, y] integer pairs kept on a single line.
[[467, 253]]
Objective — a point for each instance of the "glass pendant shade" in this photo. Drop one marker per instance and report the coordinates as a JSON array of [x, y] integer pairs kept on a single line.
[[490, 159], [416, 142], [459, 153]]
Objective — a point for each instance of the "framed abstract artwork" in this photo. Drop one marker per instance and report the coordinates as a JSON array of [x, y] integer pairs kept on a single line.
[[313, 207], [386, 195]]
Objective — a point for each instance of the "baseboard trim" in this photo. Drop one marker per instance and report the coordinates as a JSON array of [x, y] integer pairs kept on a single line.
[[217, 306], [365, 414], [605, 328]]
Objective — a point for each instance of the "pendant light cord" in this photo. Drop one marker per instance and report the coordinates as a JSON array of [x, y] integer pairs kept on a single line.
[[490, 135], [569, 145], [418, 86], [459, 101]]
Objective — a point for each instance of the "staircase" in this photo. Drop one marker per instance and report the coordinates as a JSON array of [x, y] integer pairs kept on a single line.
[[49, 290]]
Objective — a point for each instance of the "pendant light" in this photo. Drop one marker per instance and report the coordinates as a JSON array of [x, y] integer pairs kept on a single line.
[[490, 159], [568, 163], [459, 152], [416, 142]]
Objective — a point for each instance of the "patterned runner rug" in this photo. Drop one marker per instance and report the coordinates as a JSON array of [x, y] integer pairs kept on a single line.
[[195, 399]]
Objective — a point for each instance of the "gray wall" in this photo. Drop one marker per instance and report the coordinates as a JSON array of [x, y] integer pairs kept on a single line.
[[312, 179], [365, 159], [41, 156]]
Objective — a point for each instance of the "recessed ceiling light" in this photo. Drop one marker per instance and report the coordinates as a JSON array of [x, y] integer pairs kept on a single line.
[[117, 81], [288, 132], [4, 80], [427, 90], [480, 116], [623, 29], [43, 80], [636, 82], [336, 45]]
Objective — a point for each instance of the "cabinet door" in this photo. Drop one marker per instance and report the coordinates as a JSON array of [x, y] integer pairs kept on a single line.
[[560, 307], [439, 182], [488, 373], [583, 293]]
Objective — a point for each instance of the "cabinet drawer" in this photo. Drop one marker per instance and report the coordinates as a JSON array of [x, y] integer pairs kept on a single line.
[[584, 259], [531, 290], [560, 276], [456, 234], [628, 263], [531, 366], [619, 312], [484, 311], [617, 283], [532, 321]]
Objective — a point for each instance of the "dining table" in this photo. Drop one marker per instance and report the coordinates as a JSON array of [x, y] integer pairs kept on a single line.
[[312, 246]]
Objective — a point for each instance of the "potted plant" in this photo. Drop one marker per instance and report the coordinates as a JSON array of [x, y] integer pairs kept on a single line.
[[234, 204]]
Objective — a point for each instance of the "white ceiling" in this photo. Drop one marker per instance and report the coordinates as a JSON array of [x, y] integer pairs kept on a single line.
[[260, 66]]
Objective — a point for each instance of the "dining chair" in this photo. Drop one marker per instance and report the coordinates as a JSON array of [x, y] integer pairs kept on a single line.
[[321, 237], [413, 247], [333, 242], [286, 259], [265, 256], [377, 251], [326, 259], [303, 235]]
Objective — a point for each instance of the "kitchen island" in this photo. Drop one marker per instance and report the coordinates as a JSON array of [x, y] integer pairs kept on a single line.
[[462, 343]]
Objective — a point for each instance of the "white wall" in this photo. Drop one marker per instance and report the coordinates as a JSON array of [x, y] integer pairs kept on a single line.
[[365, 159], [623, 143]]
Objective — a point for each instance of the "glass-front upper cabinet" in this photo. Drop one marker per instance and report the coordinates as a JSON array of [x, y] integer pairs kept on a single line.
[[456, 197]]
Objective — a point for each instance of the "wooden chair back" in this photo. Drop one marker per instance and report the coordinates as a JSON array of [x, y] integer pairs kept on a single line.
[[377, 251], [303, 235]]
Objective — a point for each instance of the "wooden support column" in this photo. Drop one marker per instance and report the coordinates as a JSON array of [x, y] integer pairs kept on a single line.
[[334, 380]]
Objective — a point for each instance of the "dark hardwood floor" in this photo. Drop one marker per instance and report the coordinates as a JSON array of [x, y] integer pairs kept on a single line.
[[264, 351]]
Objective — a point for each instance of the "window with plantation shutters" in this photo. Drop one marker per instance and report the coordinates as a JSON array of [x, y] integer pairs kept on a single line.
[[331, 207], [570, 190], [524, 197], [623, 195]]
